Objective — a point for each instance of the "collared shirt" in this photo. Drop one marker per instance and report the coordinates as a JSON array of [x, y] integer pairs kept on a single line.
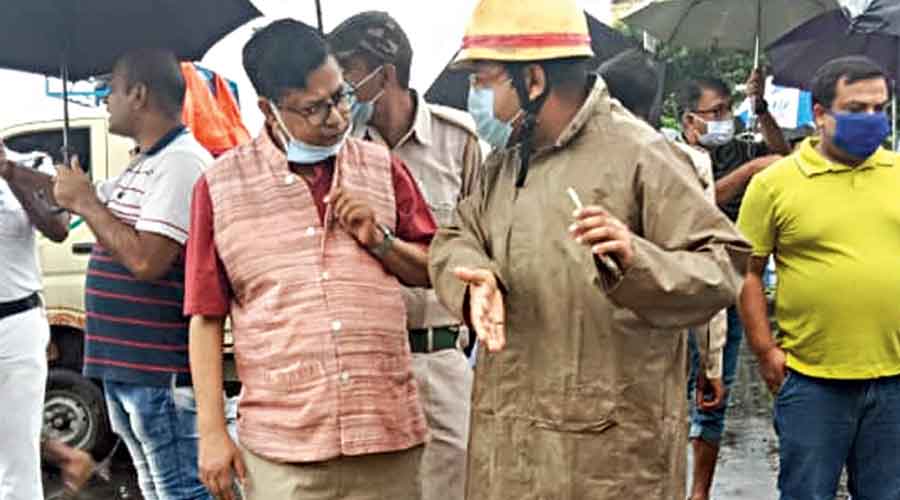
[[835, 234], [443, 155], [136, 332]]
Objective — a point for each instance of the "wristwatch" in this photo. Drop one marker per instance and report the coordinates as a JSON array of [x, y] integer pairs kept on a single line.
[[382, 249], [761, 107]]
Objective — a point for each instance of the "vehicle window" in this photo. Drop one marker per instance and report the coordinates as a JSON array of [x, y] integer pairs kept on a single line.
[[50, 142]]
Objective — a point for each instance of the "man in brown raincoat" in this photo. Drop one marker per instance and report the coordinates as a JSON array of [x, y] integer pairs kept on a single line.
[[580, 395]]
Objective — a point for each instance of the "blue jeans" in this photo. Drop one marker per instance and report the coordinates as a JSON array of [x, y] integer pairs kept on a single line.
[[709, 425], [158, 424], [823, 425]]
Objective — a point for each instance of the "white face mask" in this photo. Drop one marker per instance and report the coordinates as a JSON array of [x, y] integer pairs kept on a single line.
[[718, 133]]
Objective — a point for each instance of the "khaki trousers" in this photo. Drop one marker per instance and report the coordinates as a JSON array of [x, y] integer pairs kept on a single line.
[[381, 476], [444, 381]]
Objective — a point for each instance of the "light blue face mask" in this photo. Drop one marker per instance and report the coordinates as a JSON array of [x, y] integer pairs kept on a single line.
[[490, 129], [301, 152], [361, 112]]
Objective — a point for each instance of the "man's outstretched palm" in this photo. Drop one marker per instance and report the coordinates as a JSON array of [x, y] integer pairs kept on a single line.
[[487, 313]]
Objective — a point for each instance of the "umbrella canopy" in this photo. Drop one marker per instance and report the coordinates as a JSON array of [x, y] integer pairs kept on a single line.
[[38, 36], [882, 16], [78, 39], [451, 87], [725, 24], [797, 56]]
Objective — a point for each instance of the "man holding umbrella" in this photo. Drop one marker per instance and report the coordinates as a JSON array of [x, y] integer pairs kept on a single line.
[[583, 314], [440, 147], [136, 339], [829, 215]]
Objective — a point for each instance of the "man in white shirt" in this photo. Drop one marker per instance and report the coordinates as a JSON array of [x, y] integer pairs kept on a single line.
[[25, 332]]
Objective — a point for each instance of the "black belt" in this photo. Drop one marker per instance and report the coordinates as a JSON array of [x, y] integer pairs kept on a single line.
[[19, 306], [426, 340]]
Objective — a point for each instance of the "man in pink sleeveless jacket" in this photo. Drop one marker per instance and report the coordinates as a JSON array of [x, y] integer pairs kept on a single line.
[[304, 237]]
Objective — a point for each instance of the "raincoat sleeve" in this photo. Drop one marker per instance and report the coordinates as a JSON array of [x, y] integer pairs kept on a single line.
[[689, 259], [462, 243], [711, 338]]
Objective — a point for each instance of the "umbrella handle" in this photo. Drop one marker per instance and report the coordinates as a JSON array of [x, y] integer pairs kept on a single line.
[[758, 31], [756, 53]]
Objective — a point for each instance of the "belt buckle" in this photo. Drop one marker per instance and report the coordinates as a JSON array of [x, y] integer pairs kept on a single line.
[[429, 346]]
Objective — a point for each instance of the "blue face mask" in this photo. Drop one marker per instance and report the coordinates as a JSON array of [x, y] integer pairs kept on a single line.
[[860, 134], [361, 112], [300, 152], [490, 129]]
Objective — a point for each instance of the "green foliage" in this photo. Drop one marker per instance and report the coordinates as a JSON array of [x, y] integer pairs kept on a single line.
[[731, 66]]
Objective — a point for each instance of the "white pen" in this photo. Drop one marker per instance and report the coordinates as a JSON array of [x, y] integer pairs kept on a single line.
[[607, 261]]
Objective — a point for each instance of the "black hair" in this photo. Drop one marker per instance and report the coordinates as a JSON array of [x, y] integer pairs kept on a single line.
[[851, 69], [690, 91], [281, 56], [378, 39], [633, 79], [160, 71]]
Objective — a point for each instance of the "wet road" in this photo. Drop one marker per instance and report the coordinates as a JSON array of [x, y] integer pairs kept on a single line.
[[747, 468], [748, 461]]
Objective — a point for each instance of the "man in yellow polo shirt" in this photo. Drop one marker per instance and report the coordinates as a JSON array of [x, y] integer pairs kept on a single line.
[[830, 214]]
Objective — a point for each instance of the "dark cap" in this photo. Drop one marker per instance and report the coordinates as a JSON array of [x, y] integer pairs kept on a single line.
[[373, 33]]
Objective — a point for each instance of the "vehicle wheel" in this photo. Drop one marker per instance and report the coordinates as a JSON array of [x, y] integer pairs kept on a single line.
[[70, 345], [75, 413]]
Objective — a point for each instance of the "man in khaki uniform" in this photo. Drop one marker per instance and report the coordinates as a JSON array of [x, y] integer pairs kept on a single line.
[[581, 392], [440, 148]]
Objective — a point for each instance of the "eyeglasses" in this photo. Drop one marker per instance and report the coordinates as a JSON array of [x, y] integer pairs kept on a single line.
[[318, 112], [720, 111]]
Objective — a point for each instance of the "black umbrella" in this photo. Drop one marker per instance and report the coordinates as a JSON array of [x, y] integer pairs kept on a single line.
[[75, 39], [881, 16], [451, 88], [797, 56]]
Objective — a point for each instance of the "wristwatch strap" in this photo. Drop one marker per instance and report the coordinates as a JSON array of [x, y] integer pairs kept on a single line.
[[386, 244]]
